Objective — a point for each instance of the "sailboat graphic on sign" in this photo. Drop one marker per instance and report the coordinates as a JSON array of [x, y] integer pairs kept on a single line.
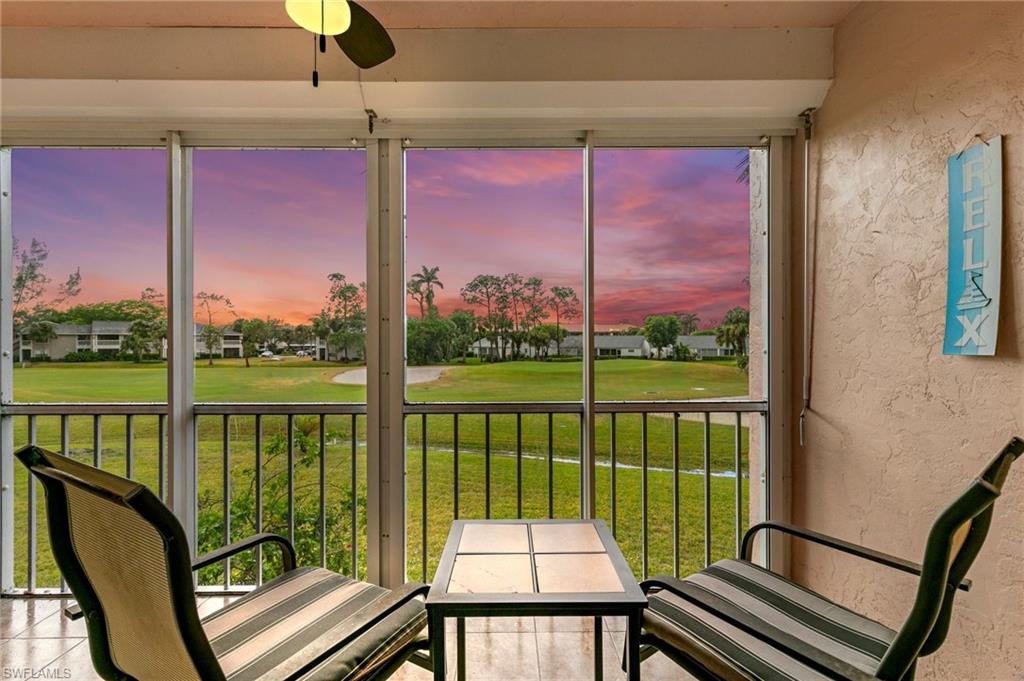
[[973, 297]]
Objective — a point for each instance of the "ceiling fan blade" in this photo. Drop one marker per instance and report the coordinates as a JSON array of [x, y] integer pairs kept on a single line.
[[366, 42]]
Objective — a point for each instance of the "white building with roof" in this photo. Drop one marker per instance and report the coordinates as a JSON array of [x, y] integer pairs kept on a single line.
[[108, 337], [705, 346]]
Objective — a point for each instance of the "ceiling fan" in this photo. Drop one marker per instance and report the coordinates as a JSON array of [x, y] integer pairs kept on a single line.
[[359, 35]]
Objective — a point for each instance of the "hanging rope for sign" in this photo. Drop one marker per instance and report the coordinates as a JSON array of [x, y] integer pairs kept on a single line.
[[974, 138]]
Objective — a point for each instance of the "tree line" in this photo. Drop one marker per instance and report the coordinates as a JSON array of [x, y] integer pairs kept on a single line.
[[513, 313], [341, 322]]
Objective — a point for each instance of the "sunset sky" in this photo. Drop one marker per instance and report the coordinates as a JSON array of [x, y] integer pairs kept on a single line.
[[269, 226]]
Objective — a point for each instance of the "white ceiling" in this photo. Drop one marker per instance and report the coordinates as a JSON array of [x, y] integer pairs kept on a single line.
[[532, 68], [434, 13]]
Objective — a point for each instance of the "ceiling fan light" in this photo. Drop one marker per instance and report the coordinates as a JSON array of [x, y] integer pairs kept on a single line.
[[326, 17]]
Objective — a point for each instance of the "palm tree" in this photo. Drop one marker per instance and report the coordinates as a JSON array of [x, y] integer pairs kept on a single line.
[[424, 281], [689, 321]]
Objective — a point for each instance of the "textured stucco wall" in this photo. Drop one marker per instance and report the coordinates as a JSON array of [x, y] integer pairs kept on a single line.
[[897, 429]]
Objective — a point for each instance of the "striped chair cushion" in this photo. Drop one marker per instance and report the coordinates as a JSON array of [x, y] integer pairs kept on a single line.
[[782, 609], [718, 647], [277, 631]]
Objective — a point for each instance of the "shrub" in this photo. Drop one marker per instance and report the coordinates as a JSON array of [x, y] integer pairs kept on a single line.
[[743, 362], [41, 358], [683, 353], [87, 356], [276, 480]]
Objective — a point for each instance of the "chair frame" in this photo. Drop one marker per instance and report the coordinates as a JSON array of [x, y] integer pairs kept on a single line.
[[940, 572], [180, 573]]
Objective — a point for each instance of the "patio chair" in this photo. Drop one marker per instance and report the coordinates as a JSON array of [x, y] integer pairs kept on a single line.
[[125, 557], [735, 620]]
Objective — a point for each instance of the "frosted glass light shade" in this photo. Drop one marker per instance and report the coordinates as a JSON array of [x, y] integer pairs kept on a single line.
[[325, 17]]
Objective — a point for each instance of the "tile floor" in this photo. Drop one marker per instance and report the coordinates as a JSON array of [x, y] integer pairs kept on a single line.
[[34, 635]]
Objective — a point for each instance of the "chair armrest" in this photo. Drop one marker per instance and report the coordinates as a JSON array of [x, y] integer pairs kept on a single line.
[[674, 585], [874, 556], [217, 555]]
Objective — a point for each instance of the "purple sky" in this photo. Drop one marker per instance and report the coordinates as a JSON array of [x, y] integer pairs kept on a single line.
[[671, 233], [269, 226], [103, 211], [671, 225]]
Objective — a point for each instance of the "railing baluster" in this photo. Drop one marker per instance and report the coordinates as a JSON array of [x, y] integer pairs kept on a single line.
[[487, 465], [291, 477], [129, 446], [423, 490], [611, 471], [226, 494], [707, 488], [355, 502], [455, 465], [675, 494], [65, 435], [258, 446], [551, 465], [739, 483], [579, 448], [323, 491], [161, 455], [97, 441], [30, 547], [65, 449], [519, 465], [643, 492]]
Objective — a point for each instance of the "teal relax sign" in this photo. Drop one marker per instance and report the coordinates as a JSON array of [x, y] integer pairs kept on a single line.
[[975, 245]]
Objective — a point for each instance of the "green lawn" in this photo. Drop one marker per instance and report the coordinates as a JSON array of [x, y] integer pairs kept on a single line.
[[304, 380]]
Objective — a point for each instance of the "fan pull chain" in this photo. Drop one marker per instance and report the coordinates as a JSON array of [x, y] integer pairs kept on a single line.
[[323, 35], [316, 76]]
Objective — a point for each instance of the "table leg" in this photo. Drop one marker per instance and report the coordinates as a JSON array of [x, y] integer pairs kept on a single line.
[[460, 649], [435, 629], [633, 648], [598, 650]]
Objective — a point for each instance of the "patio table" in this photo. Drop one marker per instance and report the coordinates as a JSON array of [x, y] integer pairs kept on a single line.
[[552, 568]]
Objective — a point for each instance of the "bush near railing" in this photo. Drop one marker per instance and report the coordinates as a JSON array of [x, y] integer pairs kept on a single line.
[[307, 539]]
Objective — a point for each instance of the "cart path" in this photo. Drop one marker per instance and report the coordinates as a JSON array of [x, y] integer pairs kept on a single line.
[[413, 375]]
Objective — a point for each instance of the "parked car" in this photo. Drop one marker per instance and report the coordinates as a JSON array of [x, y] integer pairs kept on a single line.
[[266, 353]]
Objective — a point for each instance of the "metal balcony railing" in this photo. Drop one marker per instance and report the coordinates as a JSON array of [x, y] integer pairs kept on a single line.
[[723, 418], [299, 469]]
